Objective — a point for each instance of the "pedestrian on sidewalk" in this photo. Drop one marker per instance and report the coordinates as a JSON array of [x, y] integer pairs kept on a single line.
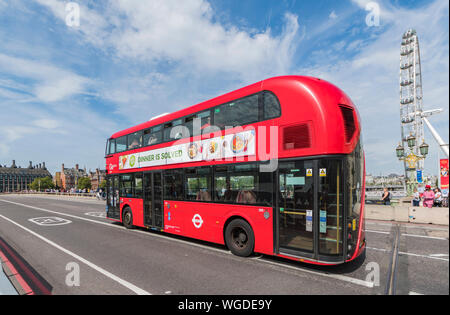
[[416, 199], [437, 198], [386, 198], [428, 197]]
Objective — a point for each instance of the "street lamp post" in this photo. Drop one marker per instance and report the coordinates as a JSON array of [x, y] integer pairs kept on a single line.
[[411, 160]]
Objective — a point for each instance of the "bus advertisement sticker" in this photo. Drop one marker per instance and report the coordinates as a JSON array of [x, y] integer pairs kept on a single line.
[[323, 172], [309, 172], [309, 221], [323, 221]]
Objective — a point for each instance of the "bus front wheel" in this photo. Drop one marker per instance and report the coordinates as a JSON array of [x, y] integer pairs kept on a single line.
[[239, 238]]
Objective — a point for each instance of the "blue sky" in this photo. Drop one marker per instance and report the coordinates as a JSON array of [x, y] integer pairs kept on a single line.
[[64, 90]]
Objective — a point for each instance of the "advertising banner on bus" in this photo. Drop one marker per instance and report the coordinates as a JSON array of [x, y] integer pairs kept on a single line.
[[228, 146]]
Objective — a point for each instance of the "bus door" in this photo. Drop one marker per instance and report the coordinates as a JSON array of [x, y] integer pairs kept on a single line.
[[297, 208], [153, 200], [112, 197], [311, 209]]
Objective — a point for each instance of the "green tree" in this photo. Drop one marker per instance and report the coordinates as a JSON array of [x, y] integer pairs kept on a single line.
[[42, 184], [84, 183]]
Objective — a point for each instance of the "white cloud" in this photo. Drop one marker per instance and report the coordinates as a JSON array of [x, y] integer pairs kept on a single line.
[[51, 83], [371, 78], [333, 15], [186, 32], [47, 123]]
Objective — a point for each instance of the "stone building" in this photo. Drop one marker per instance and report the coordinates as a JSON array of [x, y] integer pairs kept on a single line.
[[96, 178], [16, 178], [68, 177]]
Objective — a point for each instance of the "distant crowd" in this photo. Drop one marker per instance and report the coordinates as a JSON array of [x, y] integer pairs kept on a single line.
[[431, 197], [428, 198]]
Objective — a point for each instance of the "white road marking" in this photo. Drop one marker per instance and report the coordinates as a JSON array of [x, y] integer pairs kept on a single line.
[[424, 236], [108, 224], [60, 213], [423, 256], [125, 283], [49, 221], [209, 248], [409, 226], [435, 256], [414, 293], [378, 249], [224, 251], [363, 283], [439, 255], [379, 232], [96, 214]]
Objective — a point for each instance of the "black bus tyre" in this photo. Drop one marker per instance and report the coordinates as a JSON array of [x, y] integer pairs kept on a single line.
[[127, 218], [239, 238]]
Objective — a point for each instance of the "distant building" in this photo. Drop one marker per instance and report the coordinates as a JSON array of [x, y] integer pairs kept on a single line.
[[96, 178], [68, 177], [16, 178]]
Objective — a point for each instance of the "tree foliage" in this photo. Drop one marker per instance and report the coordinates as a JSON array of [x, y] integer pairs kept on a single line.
[[84, 183], [42, 184]]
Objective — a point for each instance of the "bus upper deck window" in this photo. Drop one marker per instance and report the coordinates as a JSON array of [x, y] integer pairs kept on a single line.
[[111, 146], [121, 144], [135, 140], [271, 106]]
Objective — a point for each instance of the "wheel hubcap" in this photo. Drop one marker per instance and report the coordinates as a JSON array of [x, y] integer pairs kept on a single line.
[[240, 238]]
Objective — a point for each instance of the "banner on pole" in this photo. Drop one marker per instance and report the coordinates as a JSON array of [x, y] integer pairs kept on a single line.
[[444, 173]]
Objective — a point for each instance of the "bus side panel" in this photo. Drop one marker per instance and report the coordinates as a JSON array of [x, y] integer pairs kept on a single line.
[[137, 209], [206, 221]]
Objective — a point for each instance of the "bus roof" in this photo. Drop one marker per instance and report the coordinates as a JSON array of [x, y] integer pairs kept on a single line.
[[314, 87]]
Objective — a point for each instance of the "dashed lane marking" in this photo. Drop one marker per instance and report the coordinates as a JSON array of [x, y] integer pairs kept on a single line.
[[125, 283]]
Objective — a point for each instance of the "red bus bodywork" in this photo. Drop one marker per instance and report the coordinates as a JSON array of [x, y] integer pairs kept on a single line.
[[304, 100]]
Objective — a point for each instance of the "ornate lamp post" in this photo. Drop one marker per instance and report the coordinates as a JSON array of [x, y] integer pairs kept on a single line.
[[411, 160]]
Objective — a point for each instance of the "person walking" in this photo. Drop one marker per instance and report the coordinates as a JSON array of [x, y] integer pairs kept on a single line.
[[416, 199], [437, 198], [428, 197], [386, 198]]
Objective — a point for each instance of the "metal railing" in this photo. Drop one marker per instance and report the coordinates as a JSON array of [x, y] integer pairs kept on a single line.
[[86, 195]]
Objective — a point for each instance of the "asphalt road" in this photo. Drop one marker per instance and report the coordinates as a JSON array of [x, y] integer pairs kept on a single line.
[[77, 240]]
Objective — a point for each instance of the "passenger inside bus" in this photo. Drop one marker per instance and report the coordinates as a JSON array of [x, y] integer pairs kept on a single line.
[[152, 140], [134, 145], [246, 197], [134, 141], [203, 195]]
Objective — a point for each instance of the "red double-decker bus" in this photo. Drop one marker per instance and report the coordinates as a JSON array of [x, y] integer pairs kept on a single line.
[[275, 168]]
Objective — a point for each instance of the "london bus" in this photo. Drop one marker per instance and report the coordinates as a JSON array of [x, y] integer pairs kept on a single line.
[[275, 168]]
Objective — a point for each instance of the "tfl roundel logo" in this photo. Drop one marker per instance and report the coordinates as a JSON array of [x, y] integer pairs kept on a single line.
[[197, 220]]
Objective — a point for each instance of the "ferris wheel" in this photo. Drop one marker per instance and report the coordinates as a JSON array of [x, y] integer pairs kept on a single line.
[[411, 98]]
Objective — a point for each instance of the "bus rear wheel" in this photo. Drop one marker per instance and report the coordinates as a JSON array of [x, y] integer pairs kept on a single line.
[[127, 218], [239, 238]]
